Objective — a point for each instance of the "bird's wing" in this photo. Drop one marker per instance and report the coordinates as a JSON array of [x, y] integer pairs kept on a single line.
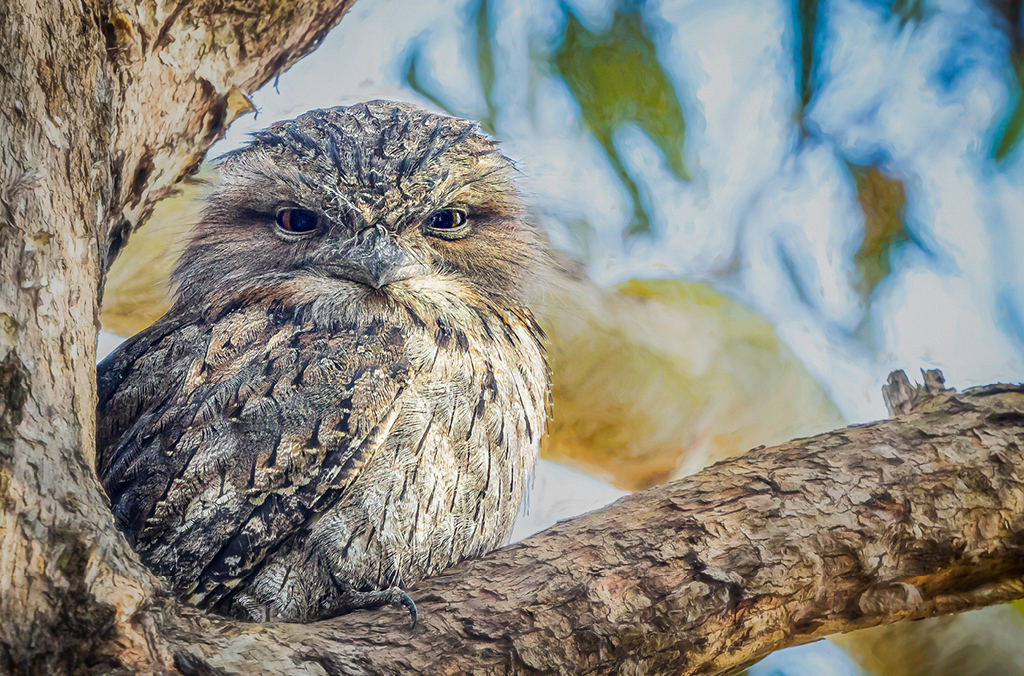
[[261, 425]]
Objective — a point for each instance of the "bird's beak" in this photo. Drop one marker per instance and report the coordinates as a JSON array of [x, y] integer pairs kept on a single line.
[[375, 259]]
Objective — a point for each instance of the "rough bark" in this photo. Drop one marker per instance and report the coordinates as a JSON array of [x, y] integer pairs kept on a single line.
[[105, 105]]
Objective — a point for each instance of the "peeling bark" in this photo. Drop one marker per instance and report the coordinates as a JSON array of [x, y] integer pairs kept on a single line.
[[105, 106]]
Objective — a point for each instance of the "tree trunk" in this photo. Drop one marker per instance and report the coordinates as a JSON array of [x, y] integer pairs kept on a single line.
[[105, 107]]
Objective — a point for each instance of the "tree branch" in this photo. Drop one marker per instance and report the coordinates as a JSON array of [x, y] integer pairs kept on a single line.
[[871, 524]]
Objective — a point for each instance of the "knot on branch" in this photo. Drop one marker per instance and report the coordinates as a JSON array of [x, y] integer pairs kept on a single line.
[[901, 397]]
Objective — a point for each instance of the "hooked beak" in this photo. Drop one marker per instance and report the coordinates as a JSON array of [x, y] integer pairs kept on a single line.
[[376, 260]]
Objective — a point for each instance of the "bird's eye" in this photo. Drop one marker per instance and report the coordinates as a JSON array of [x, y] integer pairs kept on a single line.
[[448, 223], [297, 221]]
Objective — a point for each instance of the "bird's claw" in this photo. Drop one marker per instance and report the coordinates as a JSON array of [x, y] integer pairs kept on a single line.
[[392, 596], [403, 599]]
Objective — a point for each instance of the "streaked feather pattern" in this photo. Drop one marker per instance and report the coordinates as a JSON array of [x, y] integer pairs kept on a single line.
[[286, 435]]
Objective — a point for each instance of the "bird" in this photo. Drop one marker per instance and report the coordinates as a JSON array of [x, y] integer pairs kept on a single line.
[[349, 391]]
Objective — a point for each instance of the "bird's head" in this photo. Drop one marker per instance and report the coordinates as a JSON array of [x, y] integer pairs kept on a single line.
[[381, 195]]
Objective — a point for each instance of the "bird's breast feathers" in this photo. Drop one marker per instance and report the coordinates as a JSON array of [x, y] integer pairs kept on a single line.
[[395, 429]]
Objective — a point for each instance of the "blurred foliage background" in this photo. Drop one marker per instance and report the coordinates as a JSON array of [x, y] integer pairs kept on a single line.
[[762, 207]]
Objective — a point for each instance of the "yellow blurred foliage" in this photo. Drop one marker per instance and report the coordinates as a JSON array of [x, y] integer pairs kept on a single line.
[[656, 379], [984, 642], [138, 283]]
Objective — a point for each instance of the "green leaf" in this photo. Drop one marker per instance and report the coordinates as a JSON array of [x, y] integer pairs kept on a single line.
[[485, 65], [884, 202], [1008, 130], [806, 20], [616, 79], [656, 379]]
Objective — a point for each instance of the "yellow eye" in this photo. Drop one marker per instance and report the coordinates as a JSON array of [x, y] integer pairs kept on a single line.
[[448, 223]]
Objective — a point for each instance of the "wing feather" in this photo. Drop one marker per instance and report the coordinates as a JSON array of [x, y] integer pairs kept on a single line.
[[243, 434]]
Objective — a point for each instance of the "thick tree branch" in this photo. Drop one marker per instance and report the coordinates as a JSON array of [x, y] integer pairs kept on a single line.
[[871, 524]]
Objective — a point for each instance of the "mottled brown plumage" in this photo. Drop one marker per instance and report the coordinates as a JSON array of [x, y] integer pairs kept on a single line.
[[349, 392]]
